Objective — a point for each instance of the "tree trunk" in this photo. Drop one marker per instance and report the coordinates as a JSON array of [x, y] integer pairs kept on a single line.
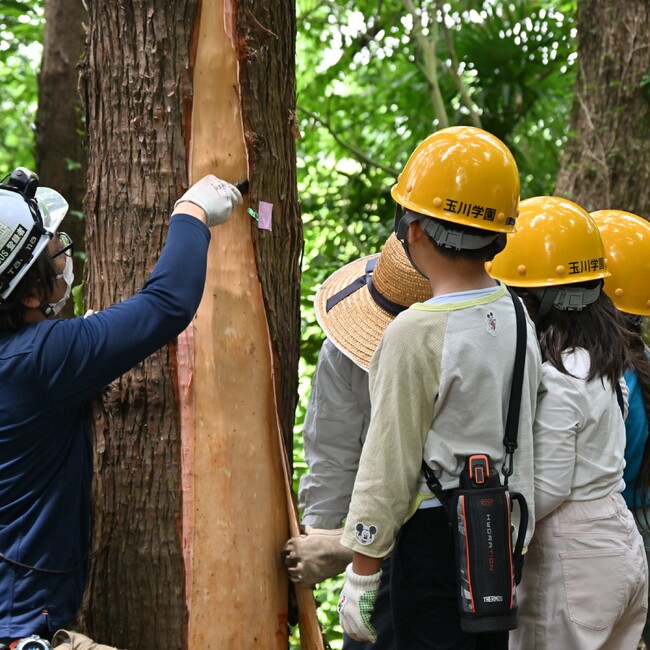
[[60, 153], [191, 507], [137, 67], [238, 364], [266, 52], [606, 156]]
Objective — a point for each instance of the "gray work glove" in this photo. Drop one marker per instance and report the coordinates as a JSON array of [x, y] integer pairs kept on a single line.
[[215, 197], [64, 640], [315, 556]]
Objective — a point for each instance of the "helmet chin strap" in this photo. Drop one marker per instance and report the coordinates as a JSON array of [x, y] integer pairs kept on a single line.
[[403, 221], [633, 320], [565, 298], [546, 302]]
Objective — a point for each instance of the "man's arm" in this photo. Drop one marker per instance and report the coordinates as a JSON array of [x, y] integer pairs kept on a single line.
[[335, 424]]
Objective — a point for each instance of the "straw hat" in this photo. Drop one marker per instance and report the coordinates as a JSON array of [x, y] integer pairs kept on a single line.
[[356, 303]]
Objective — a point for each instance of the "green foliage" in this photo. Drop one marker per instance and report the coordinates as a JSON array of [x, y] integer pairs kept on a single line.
[[522, 55], [78, 299], [21, 35], [326, 595]]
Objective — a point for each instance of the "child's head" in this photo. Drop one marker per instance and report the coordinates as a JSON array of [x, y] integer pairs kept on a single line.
[[461, 185], [556, 261], [556, 253]]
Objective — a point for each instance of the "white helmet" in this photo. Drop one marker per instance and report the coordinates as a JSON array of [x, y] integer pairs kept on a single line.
[[29, 217]]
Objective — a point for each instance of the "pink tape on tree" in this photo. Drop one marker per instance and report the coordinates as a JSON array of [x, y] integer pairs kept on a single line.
[[265, 213]]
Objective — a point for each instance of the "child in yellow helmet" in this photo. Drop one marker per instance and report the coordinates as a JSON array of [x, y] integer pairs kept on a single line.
[[353, 306], [584, 580], [439, 386]]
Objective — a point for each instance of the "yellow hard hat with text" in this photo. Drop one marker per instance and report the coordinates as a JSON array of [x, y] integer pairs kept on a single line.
[[626, 237], [464, 175], [556, 243]]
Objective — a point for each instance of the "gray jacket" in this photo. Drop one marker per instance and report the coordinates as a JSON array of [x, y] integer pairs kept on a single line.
[[336, 423]]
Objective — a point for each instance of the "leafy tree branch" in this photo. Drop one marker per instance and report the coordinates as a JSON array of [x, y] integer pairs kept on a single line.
[[462, 89], [355, 151], [429, 64]]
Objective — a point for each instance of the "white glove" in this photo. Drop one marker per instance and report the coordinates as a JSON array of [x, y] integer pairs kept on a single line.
[[215, 197], [357, 603], [64, 640], [316, 556]]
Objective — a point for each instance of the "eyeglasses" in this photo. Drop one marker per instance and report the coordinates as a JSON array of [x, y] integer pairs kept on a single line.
[[67, 245]]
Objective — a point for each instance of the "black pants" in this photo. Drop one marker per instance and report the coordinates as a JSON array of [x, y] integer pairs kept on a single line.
[[424, 595]]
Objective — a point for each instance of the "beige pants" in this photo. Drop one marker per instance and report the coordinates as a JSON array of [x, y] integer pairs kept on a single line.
[[585, 580], [64, 640]]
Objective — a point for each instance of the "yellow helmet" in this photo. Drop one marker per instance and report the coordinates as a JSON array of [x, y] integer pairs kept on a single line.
[[626, 237], [464, 175], [556, 243]]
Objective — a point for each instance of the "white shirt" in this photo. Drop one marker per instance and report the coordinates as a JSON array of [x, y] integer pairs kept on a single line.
[[336, 423], [578, 436]]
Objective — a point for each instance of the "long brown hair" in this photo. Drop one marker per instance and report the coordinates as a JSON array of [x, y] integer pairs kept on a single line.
[[599, 328]]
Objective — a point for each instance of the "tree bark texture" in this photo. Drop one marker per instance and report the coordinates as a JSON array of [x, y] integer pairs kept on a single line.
[[266, 42], [60, 152], [136, 75], [607, 158], [266, 31]]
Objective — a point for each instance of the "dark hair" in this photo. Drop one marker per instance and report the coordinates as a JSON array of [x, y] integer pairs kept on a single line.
[[40, 277], [640, 364], [599, 328]]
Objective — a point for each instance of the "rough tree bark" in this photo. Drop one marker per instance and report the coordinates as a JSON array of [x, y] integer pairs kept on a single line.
[[190, 506], [136, 69], [266, 50], [606, 157], [60, 153]]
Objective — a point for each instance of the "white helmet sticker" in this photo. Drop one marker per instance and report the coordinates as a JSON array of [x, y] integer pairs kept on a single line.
[[5, 234], [10, 240]]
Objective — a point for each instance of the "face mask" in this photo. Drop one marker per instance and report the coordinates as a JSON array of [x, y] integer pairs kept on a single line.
[[68, 277]]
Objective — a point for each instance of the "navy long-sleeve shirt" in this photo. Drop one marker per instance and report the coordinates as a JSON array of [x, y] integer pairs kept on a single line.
[[48, 372]]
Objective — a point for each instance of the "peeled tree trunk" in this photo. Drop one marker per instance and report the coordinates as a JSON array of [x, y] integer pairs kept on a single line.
[[606, 157], [191, 498]]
